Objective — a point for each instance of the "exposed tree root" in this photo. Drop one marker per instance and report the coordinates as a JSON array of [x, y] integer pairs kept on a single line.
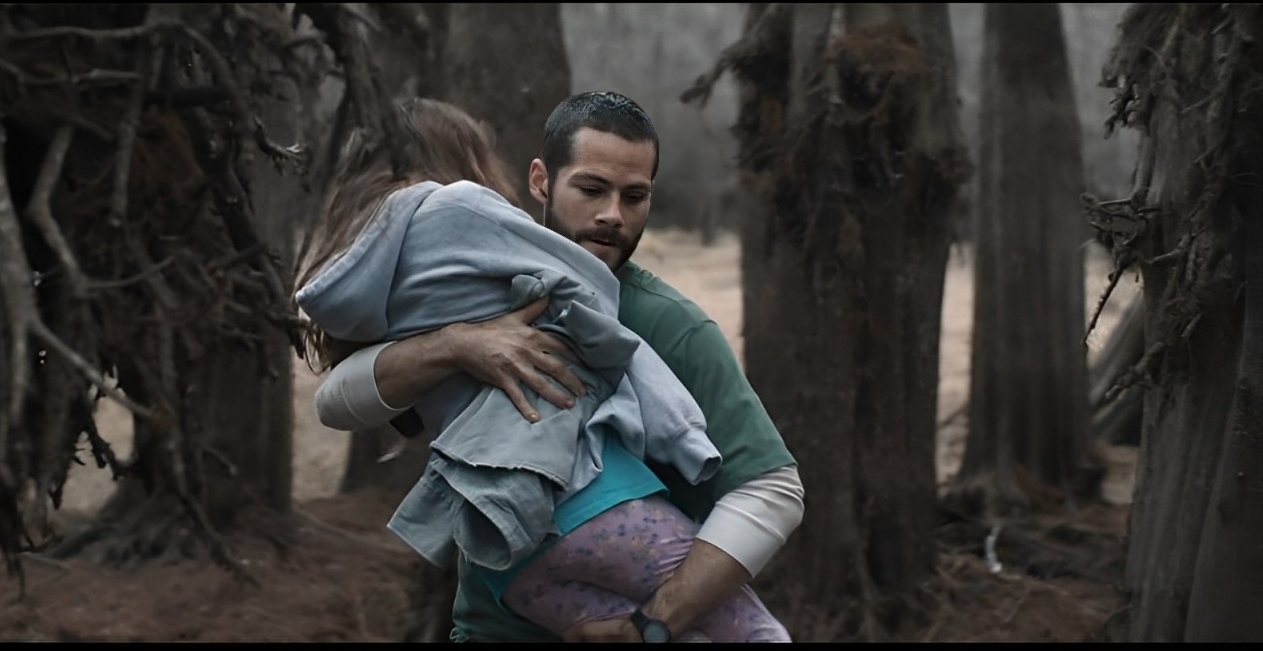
[[159, 529]]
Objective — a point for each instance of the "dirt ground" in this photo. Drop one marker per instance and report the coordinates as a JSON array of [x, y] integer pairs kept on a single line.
[[336, 574]]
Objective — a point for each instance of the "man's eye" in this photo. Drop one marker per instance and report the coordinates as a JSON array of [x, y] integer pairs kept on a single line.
[[591, 192], [637, 198]]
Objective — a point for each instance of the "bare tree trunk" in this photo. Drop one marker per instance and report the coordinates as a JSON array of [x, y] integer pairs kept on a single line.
[[849, 133], [506, 64], [1194, 565], [1028, 390]]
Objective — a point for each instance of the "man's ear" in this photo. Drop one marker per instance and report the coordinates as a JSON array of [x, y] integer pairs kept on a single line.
[[538, 181]]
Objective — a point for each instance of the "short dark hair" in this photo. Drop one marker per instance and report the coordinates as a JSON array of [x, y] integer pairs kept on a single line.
[[602, 110]]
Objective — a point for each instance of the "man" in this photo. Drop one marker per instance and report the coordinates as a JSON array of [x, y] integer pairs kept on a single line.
[[595, 180]]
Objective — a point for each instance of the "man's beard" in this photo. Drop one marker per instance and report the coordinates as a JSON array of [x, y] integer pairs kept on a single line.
[[606, 234]]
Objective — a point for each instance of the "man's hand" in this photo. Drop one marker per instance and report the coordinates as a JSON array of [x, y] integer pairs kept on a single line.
[[505, 352], [706, 578], [606, 630]]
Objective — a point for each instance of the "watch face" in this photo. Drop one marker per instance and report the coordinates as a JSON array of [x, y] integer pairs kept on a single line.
[[651, 630], [655, 631]]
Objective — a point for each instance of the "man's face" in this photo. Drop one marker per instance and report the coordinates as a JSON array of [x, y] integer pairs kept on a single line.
[[601, 200]]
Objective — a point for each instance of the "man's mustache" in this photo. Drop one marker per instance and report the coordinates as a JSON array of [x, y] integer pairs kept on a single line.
[[608, 235]]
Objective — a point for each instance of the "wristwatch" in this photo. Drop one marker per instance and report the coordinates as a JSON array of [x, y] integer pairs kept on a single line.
[[651, 630]]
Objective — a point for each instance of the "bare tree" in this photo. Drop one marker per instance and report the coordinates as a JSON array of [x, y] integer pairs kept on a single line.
[[1028, 411], [139, 267], [1187, 76], [148, 219], [851, 143]]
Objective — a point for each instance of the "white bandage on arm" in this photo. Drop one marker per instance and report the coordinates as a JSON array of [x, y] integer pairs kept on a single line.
[[755, 519], [348, 398]]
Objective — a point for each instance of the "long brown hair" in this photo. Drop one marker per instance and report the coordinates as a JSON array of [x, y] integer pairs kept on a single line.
[[444, 144]]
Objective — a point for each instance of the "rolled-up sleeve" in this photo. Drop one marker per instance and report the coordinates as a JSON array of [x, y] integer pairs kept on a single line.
[[348, 398], [753, 521]]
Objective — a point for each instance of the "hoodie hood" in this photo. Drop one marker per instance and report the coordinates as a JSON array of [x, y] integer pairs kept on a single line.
[[434, 255]]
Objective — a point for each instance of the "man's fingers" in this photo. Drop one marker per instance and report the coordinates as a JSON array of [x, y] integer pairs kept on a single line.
[[609, 630], [520, 401], [549, 391], [556, 368]]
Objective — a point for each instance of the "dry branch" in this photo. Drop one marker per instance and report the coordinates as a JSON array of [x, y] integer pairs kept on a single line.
[[372, 105], [38, 211], [54, 343], [18, 295]]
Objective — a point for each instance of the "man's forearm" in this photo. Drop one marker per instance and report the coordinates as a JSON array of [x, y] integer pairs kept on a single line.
[[377, 383], [706, 578], [747, 526], [406, 369]]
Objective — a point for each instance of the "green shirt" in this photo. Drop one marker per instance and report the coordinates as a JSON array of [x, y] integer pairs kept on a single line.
[[695, 349]]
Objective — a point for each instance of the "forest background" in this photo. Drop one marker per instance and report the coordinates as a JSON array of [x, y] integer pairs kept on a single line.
[[217, 528]]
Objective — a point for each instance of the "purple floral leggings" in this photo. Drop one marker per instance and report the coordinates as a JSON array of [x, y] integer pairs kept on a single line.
[[614, 562]]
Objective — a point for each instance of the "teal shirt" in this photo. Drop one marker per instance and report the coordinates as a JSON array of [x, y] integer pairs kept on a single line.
[[695, 349]]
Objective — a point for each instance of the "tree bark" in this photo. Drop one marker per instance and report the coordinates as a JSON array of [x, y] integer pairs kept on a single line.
[[850, 141], [1028, 437], [506, 64], [1194, 565], [1116, 415]]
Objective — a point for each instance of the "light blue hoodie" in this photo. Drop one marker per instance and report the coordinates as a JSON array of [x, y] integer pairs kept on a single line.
[[434, 255]]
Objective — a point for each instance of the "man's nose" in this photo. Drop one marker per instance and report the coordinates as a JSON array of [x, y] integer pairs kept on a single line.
[[611, 214]]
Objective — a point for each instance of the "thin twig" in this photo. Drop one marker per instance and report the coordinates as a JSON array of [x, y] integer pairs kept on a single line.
[[150, 59], [102, 452], [328, 528], [1021, 600], [93, 34], [54, 343], [90, 77], [1137, 371], [1100, 304], [223, 460], [143, 274]]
